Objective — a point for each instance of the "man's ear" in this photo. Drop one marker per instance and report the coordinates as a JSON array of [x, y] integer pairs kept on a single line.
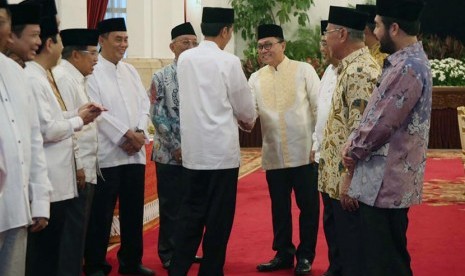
[[48, 44], [344, 35], [100, 40], [224, 32], [75, 55], [283, 45], [394, 29], [172, 46]]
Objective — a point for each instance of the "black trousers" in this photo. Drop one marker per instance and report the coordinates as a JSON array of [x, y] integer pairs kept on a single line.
[[304, 181], [43, 247], [74, 232], [348, 239], [329, 226], [209, 205], [125, 182], [171, 191], [384, 244]]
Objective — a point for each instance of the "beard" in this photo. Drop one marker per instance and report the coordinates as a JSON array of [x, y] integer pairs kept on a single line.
[[387, 44]]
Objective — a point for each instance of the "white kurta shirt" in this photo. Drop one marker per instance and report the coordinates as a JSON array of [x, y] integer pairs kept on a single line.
[[213, 95], [2, 167], [57, 128], [287, 105], [325, 94], [72, 86], [27, 188], [119, 89]]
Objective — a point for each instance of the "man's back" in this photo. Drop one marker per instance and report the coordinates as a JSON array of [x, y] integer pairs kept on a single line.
[[213, 94]]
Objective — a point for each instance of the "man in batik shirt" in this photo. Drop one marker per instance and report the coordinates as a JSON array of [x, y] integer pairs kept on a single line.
[[325, 95], [389, 147], [370, 39], [167, 140], [357, 76]]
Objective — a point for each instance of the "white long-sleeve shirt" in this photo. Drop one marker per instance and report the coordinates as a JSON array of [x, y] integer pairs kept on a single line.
[[72, 86], [287, 105], [325, 94], [57, 128], [214, 94], [119, 89], [2, 167], [27, 188]]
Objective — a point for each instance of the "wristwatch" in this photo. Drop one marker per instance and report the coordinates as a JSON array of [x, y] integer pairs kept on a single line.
[[138, 130]]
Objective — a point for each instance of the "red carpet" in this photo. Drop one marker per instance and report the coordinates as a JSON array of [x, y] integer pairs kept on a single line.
[[436, 230]]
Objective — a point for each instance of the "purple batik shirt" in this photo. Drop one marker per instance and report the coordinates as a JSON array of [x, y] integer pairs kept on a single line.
[[391, 141]]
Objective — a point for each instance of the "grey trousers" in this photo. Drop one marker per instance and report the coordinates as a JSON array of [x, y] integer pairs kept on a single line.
[[13, 244]]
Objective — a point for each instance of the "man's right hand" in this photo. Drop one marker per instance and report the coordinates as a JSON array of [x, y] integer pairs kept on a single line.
[[90, 111], [38, 224]]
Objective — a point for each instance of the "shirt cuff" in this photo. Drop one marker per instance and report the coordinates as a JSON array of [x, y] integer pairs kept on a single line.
[[77, 123], [40, 209]]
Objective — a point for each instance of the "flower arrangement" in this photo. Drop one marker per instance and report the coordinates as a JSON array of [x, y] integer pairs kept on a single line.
[[448, 72]]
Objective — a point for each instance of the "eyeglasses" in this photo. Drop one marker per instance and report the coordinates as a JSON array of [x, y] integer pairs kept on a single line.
[[187, 42], [333, 30], [92, 53], [267, 45]]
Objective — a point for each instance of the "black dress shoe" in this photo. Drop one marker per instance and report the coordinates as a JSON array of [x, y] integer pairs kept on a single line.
[[135, 270], [198, 259], [276, 264], [166, 264], [303, 267]]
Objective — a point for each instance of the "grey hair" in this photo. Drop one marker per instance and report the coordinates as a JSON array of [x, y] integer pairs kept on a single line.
[[356, 35]]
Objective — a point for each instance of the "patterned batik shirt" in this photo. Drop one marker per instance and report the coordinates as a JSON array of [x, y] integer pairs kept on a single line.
[[357, 76], [377, 55], [391, 142], [164, 101]]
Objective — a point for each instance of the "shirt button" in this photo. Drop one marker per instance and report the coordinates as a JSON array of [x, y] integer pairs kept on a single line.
[[12, 121], [19, 141]]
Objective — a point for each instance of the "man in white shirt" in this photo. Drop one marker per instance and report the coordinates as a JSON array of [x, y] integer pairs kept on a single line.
[[79, 56], [121, 154], [57, 128], [214, 95], [26, 194], [287, 94], [325, 94]]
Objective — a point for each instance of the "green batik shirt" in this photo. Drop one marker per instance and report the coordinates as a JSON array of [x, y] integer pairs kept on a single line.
[[357, 77]]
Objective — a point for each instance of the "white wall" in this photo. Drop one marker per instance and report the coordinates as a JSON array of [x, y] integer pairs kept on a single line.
[[72, 14]]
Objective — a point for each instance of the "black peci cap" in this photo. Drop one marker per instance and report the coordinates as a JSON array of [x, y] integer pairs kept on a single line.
[[48, 26], [347, 17], [3, 4], [323, 24], [47, 7], [217, 15], [79, 37], [407, 10], [182, 29], [111, 25], [269, 30], [370, 10], [25, 14]]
